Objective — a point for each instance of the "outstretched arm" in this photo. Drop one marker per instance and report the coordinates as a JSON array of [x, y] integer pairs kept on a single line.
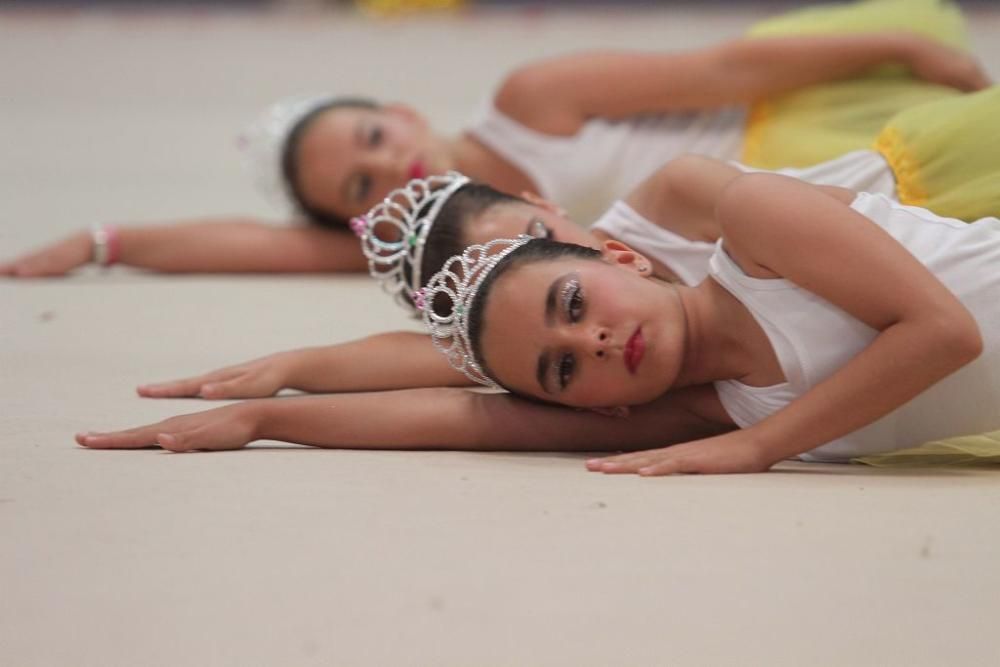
[[229, 245], [616, 84], [396, 360], [925, 333], [440, 418]]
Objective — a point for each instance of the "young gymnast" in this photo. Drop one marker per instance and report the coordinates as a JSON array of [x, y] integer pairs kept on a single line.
[[825, 374], [336, 158], [679, 249]]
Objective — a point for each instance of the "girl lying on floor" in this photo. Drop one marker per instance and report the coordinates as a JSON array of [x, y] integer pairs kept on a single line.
[[951, 160], [833, 325], [810, 86]]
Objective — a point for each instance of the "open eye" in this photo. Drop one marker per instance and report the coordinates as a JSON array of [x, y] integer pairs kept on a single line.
[[572, 298], [375, 136], [538, 229], [564, 369], [363, 187]]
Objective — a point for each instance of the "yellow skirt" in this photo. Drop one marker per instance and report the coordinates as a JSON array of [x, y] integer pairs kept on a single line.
[[982, 449], [825, 121], [946, 155]]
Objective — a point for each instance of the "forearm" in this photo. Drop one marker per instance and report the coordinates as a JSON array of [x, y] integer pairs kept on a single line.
[[902, 362], [237, 245], [397, 360], [760, 68], [449, 418]]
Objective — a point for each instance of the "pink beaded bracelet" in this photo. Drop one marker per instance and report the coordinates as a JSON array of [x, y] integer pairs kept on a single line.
[[107, 244]]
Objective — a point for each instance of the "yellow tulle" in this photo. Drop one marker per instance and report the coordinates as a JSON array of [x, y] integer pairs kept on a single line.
[[824, 121], [982, 449], [946, 155]]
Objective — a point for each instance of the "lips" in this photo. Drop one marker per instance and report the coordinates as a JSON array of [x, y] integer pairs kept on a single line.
[[417, 169], [634, 349]]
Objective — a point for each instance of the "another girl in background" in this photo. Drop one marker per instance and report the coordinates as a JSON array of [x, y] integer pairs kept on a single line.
[[443, 215], [582, 130]]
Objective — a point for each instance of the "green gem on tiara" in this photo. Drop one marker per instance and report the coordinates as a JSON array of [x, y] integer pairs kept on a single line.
[[411, 240], [459, 309]]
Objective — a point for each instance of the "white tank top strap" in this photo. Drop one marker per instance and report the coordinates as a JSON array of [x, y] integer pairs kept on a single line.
[[687, 259]]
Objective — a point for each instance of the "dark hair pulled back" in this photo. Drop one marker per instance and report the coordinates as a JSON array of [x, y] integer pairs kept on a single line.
[[536, 250], [290, 159]]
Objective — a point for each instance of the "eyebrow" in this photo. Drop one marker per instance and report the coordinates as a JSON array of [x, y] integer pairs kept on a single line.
[[550, 299], [542, 372]]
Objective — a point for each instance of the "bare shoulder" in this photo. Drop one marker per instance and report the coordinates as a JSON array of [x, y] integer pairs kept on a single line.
[[533, 96]]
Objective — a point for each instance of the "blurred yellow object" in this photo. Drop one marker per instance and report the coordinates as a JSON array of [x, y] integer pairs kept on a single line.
[[396, 7], [824, 121]]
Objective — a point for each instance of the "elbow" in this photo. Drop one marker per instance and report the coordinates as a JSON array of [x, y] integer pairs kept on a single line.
[[969, 342], [959, 338]]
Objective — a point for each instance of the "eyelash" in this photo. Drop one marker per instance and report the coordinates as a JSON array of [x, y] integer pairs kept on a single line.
[[572, 298], [564, 369]]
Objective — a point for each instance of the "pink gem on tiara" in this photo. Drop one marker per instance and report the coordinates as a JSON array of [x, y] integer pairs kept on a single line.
[[420, 298], [359, 225]]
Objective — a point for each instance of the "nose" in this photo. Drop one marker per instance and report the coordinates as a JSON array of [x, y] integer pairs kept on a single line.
[[599, 342]]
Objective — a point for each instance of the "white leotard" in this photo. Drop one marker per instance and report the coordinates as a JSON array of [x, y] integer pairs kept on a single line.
[[860, 170], [812, 338], [607, 159]]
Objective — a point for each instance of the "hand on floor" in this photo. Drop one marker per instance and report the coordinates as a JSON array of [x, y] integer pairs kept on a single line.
[[256, 379], [228, 427], [945, 66], [727, 453], [57, 259]]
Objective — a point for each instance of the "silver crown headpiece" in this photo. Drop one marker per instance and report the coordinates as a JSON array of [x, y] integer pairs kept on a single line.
[[394, 232], [263, 142], [449, 297]]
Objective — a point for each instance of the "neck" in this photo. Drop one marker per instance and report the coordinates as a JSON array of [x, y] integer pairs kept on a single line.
[[480, 163], [715, 347]]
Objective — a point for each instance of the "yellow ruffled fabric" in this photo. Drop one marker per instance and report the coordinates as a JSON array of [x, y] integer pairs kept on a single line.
[[982, 449], [824, 121], [946, 155]]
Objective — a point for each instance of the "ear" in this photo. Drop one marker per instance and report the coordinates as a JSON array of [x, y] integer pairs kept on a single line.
[[621, 412], [619, 254], [540, 202]]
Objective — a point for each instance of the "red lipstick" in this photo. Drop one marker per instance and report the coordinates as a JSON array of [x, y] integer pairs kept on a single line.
[[634, 349], [417, 170]]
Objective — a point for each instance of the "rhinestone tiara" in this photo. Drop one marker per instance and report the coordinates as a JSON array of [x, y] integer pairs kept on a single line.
[[448, 298], [263, 142], [394, 232]]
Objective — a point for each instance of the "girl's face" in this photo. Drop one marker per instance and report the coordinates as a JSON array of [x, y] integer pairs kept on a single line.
[[350, 158], [536, 218], [585, 333]]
